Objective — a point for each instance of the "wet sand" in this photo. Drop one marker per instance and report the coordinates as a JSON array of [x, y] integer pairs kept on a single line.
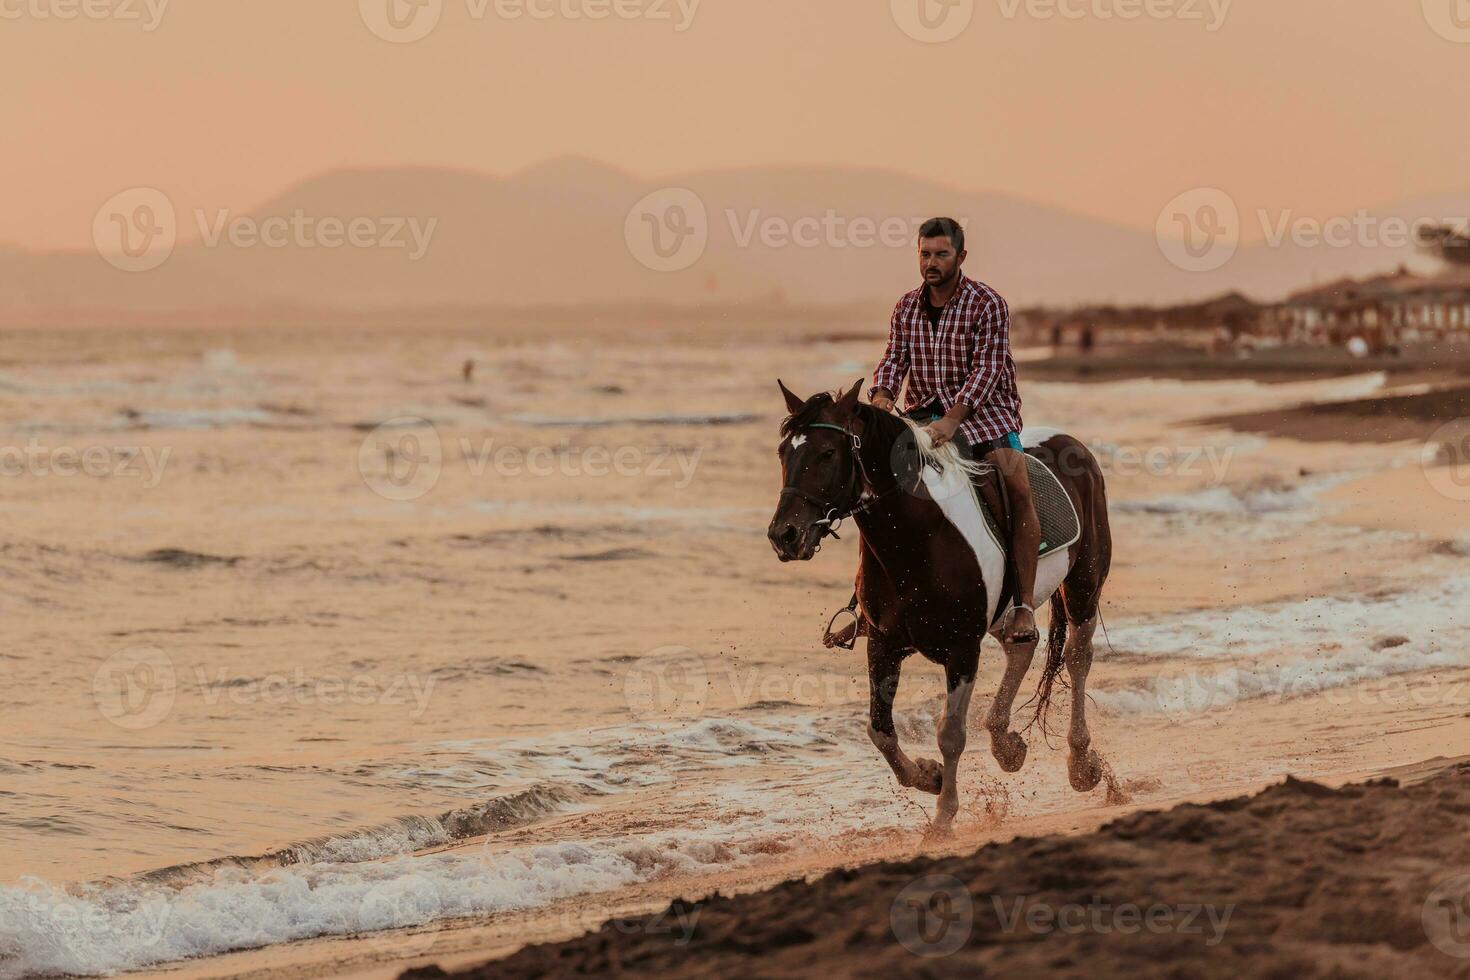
[[1299, 879]]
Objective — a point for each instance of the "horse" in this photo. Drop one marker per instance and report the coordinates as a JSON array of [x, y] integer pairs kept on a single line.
[[930, 577]]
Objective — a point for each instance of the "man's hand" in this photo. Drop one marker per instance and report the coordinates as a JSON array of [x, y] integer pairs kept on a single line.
[[882, 401], [942, 431]]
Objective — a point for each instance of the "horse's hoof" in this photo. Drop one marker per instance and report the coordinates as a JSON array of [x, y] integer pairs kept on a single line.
[[930, 776], [1010, 751], [1084, 773], [941, 829]]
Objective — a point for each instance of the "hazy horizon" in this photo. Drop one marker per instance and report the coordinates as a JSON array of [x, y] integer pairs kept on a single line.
[[1296, 108]]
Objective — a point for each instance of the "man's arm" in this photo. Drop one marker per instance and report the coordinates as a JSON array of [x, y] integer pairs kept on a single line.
[[989, 360], [894, 367]]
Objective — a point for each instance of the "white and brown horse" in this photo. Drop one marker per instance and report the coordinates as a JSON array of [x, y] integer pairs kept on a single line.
[[931, 576]]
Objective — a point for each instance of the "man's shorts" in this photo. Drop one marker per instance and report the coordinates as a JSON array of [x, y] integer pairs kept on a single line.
[[928, 414]]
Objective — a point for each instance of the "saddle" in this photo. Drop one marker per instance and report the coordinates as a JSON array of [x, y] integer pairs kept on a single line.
[[1060, 529]]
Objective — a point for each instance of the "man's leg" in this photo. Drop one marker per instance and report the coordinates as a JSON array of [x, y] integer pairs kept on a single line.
[[1025, 542]]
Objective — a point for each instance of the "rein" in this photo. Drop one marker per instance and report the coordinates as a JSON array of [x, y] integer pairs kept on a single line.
[[859, 480]]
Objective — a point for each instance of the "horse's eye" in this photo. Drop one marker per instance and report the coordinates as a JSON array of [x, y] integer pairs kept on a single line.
[[829, 454]]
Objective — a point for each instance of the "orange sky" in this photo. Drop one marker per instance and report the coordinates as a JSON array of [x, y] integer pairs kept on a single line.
[[1321, 106]]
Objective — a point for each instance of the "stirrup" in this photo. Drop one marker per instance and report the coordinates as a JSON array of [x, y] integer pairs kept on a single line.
[[830, 639]]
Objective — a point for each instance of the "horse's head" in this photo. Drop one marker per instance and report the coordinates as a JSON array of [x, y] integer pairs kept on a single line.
[[821, 478]]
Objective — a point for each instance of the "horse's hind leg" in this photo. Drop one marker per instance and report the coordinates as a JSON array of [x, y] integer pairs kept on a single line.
[[1008, 747], [884, 665], [1084, 769]]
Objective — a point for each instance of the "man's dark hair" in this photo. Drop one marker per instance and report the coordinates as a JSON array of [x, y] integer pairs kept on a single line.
[[945, 227]]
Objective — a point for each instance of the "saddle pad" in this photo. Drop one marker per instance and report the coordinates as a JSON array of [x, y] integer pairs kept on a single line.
[[1060, 526]]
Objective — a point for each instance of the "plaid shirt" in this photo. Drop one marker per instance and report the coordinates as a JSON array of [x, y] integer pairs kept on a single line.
[[967, 360]]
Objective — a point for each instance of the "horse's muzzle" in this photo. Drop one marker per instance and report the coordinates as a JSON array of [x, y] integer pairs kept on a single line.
[[794, 543]]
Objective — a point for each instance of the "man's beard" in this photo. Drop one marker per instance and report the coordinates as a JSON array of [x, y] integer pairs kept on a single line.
[[943, 283]]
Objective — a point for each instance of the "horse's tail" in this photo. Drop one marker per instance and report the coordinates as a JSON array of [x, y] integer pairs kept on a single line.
[[1056, 643]]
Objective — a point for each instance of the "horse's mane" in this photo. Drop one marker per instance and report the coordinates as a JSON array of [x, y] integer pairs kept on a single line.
[[891, 428]]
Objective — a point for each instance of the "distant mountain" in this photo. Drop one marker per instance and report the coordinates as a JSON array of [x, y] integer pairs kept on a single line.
[[558, 233]]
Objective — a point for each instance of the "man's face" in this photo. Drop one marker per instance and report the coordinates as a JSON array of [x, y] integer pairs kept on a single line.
[[938, 261]]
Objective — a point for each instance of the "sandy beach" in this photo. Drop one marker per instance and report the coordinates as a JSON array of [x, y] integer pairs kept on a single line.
[[376, 667]]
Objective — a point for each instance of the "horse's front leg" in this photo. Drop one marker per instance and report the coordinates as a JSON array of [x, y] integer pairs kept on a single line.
[[1008, 747], [959, 678], [884, 665]]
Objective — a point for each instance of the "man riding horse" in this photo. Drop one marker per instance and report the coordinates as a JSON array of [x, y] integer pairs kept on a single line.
[[951, 339]]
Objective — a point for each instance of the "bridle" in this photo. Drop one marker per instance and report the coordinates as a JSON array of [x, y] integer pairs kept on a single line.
[[859, 487]]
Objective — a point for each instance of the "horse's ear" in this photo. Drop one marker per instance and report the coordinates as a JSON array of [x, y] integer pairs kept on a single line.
[[793, 402], [848, 403]]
